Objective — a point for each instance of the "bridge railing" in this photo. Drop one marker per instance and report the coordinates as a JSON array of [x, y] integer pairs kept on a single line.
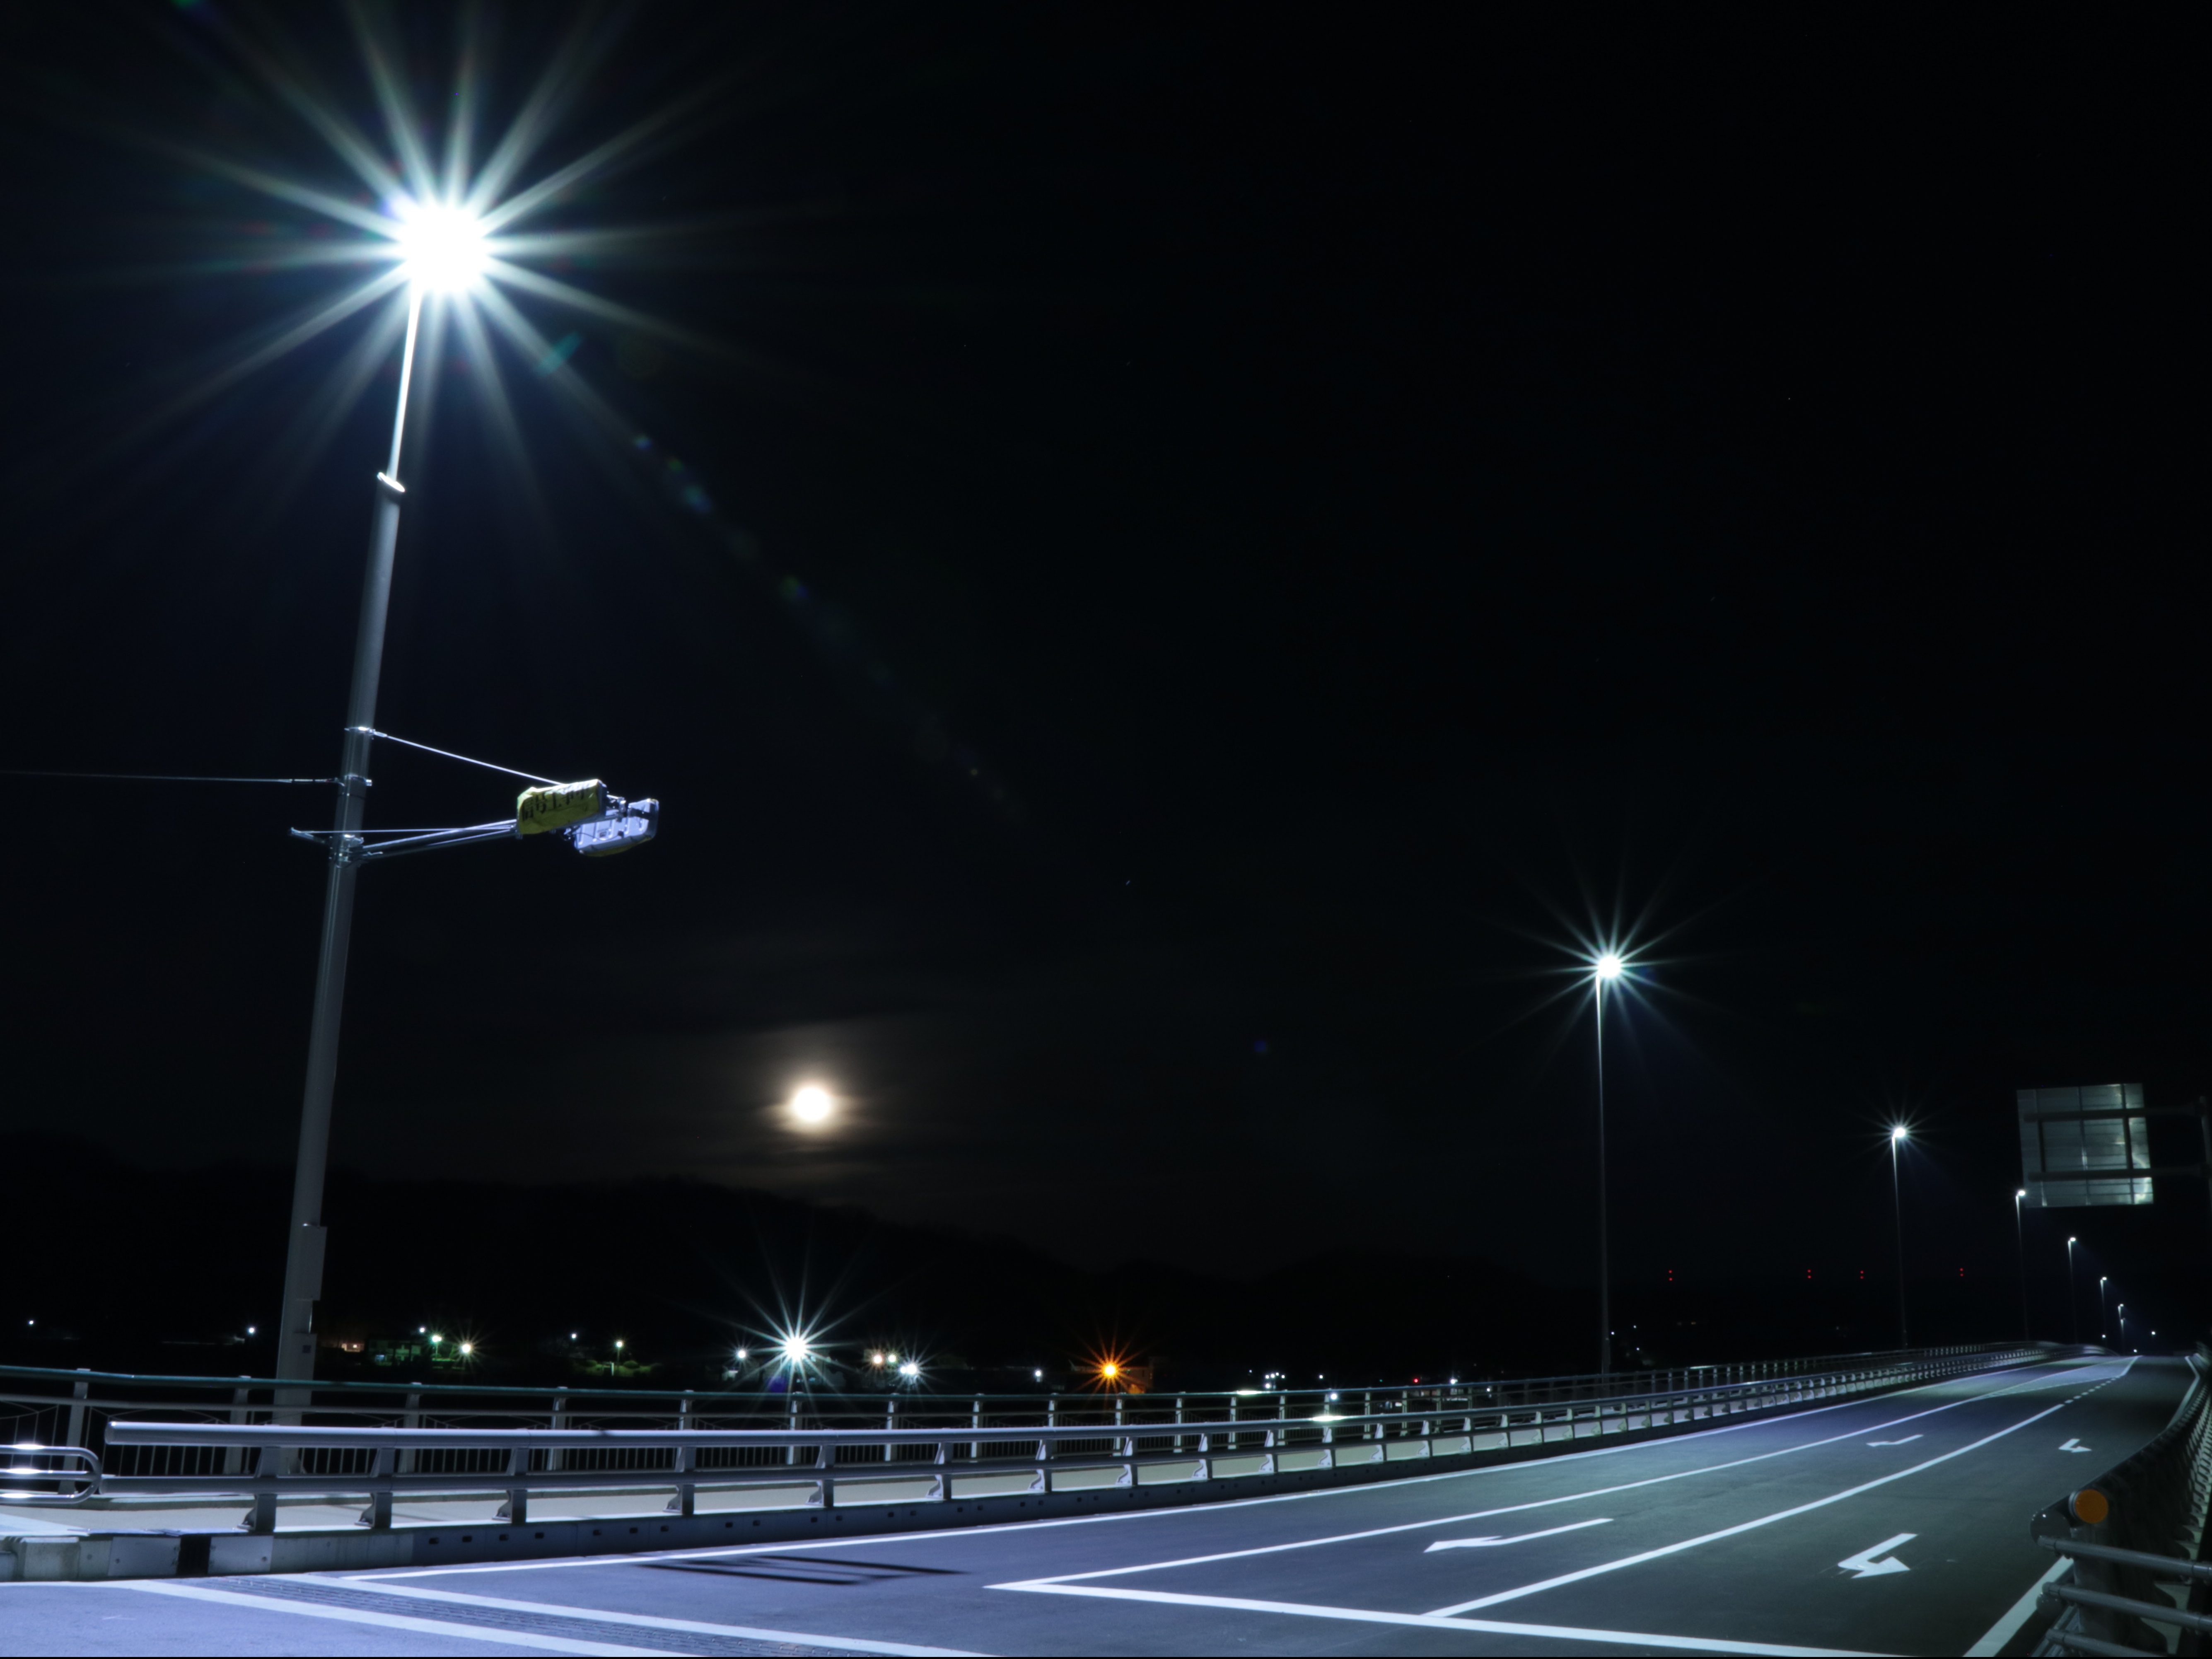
[[2135, 1542], [903, 1449]]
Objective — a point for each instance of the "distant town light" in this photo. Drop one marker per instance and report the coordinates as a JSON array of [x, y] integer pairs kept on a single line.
[[468, 1347], [908, 1368]]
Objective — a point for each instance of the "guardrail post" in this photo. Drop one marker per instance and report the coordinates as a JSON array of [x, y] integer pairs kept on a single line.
[[555, 1458], [1178, 1440], [262, 1518], [377, 1515], [976, 1421], [686, 1501], [891, 1422], [942, 1488], [76, 1412], [791, 1452], [1128, 1447], [408, 1461], [234, 1457], [516, 1510], [825, 1459]]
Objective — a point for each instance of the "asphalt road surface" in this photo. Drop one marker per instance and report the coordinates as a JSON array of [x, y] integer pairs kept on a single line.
[[1893, 1525]]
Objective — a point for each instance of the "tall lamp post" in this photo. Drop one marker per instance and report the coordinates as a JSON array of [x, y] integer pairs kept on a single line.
[[444, 250], [2103, 1308], [1606, 969], [2020, 1239], [1897, 1209], [2073, 1296]]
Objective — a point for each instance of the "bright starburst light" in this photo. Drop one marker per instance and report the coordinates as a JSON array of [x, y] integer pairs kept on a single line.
[[429, 220], [442, 247], [1608, 967]]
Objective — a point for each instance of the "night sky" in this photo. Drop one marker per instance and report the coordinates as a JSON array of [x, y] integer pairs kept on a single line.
[[1166, 569]]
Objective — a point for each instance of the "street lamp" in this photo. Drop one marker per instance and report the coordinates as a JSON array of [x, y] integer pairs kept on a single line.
[[2073, 1296], [442, 250], [1897, 1207], [2104, 1313], [1606, 969], [2019, 1240]]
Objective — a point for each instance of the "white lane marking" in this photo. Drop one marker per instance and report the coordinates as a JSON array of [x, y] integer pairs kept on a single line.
[[1907, 1441], [1742, 1526], [2005, 1628], [649, 1621], [1865, 1563], [1517, 1537], [1397, 1483], [2074, 1443], [1434, 1621], [445, 1627], [1509, 1509]]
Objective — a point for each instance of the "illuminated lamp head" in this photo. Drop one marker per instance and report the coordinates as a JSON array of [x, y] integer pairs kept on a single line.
[[1609, 966], [441, 247]]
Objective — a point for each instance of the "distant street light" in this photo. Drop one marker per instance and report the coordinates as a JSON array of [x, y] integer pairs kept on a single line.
[[1604, 971], [2020, 1239], [1897, 1207], [2073, 1296]]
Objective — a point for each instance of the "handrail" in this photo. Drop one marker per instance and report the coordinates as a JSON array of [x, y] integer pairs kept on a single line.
[[2172, 1566], [303, 1457], [1761, 1369]]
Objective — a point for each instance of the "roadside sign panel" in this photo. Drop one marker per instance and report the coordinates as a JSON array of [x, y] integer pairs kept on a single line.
[[2085, 1145]]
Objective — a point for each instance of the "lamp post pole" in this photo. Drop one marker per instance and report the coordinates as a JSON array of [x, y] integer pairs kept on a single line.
[[2019, 1240], [2073, 1296], [303, 1254], [2103, 1308], [1608, 967], [1897, 1209]]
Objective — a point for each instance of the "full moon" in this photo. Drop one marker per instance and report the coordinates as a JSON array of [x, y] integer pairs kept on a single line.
[[812, 1105]]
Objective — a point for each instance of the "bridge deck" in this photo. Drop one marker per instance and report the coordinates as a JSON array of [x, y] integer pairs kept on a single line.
[[1897, 1524]]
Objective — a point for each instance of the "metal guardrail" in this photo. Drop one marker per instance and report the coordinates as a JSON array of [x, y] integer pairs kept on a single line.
[[928, 1444], [2131, 1535]]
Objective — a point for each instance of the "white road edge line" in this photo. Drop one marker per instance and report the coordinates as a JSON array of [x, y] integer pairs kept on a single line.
[[2058, 1372], [1517, 1538], [1434, 1621], [2005, 1628], [445, 1627], [651, 1621], [1641, 1556], [1510, 1508]]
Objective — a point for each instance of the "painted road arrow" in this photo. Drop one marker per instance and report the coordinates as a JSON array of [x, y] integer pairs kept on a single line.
[[1865, 1565], [1519, 1537], [2075, 1444]]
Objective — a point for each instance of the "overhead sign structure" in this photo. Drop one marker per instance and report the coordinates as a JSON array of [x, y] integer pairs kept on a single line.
[[2084, 1145]]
